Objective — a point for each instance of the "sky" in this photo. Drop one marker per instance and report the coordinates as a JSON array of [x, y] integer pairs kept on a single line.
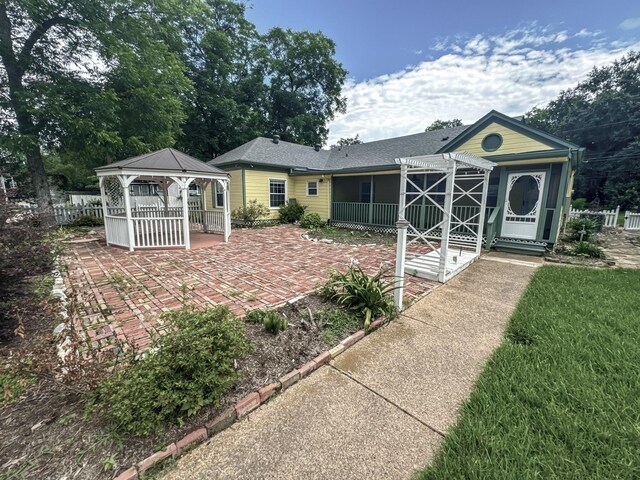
[[412, 62]]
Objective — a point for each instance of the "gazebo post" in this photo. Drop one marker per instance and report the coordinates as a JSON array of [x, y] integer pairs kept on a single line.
[[227, 210], [446, 220], [103, 199], [125, 181], [483, 208]]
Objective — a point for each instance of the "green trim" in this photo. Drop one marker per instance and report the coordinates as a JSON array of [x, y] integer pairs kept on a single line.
[[502, 194], [505, 121], [244, 188], [381, 168], [562, 194], [258, 166], [542, 215], [529, 155]]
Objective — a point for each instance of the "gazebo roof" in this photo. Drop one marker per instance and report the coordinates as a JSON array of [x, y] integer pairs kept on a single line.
[[165, 161]]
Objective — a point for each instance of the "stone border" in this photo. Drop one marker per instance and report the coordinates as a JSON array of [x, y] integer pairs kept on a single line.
[[244, 406]]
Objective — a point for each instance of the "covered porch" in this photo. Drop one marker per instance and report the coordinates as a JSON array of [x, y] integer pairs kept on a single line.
[[143, 227]]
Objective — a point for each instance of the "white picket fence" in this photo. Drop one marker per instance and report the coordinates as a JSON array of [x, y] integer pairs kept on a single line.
[[631, 221], [609, 217]]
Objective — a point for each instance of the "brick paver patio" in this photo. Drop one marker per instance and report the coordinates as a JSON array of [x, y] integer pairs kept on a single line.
[[119, 295]]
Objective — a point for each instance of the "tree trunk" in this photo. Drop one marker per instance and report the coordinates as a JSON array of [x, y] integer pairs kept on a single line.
[[26, 128]]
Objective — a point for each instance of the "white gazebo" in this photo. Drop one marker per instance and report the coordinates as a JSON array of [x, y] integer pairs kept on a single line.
[[458, 182], [161, 226]]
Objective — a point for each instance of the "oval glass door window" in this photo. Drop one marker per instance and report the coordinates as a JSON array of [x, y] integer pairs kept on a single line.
[[523, 196]]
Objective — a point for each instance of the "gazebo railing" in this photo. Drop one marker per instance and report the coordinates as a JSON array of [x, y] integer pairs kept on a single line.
[[158, 232], [117, 231]]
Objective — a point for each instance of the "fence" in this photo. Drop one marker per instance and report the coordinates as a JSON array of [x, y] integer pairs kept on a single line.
[[631, 221], [609, 217]]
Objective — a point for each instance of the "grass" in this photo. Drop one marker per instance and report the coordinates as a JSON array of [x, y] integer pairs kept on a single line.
[[13, 386], [560, 398], [339, 325]]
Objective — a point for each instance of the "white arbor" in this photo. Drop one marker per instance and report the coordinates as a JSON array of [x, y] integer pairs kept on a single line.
[[456, 182], [153, 227]]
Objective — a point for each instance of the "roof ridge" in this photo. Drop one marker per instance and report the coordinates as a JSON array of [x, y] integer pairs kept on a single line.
[[137, 158], [173, 153]]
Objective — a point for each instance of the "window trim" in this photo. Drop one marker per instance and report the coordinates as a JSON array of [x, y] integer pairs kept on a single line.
[[317, 188], [360, 193], [217, 185], [286, 191]]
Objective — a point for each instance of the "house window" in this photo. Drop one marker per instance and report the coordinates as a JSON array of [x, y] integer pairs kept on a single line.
[[365, 192], [277, 192], [218, 195], [312, 188]]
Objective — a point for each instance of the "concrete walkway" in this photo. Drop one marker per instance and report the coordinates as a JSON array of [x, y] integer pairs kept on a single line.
[[380, 410]]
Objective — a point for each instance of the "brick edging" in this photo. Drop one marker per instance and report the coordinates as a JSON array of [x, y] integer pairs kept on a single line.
[[244, 406]]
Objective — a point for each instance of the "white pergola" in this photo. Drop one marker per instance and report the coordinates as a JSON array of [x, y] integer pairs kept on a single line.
[[164, 226], [459, 193]]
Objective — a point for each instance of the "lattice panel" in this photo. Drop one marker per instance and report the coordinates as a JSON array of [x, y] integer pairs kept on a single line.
[[114, 191]]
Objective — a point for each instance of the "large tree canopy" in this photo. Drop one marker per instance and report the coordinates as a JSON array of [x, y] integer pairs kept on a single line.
[[440, 124], [602, 114], [89, 82]]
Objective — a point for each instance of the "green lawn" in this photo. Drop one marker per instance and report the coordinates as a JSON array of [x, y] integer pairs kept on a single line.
[[560, 398]]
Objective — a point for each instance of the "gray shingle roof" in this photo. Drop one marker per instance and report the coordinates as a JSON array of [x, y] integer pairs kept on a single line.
[[167, 159], [381, 153]]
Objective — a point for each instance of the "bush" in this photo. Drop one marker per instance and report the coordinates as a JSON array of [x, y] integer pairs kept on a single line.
[[579, 204], [312, 220], [368, 296], [251, 212], [577, 225], [255, 316], [188, 368], [88, 221], [274, 322], [587, 249], [291, 212]]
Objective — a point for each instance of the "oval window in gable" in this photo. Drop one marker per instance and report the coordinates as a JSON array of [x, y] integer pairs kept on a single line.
[[492, 142]]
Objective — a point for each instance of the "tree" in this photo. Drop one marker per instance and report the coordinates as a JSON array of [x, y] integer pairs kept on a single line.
[[440, 124], [602, 114], [347, 141], [73, 76], [305, 84]]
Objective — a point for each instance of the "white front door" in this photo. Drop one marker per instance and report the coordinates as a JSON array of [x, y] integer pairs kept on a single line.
[[522, 205]]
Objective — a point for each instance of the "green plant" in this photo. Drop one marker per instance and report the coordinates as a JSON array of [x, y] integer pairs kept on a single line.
[[250, 212], [577, 225], [579, 204], [13, 385], [587, 249], [291, 212], [312, 220], [368, 296], [336, 324], [88, 221], [186, 369], [109, 463], [274, 322], [255, 316]]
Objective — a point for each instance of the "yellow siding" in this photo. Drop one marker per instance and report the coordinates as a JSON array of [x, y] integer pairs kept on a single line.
[[257, 187], [319, 204], [235, 193], [512, 142]]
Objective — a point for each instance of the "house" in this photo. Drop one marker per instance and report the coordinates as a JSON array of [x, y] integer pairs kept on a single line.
[[357, 186]]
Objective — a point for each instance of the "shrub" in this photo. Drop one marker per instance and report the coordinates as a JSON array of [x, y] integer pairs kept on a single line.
[[368, 296], [579, 204], [587, 249], [274, 322], [188, 368], [291, 212], [577, 225], [88, 221], [251, 212], [255, 316], [312, 220]]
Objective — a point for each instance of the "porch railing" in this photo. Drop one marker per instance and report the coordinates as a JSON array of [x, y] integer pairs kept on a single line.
[[117, 231], [386, 214], [158, 232]]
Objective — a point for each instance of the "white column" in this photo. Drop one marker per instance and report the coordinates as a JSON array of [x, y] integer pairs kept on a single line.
[[227, 210], [125, 181], [446, 221], [105, 212], [483, 209], [401, 246]]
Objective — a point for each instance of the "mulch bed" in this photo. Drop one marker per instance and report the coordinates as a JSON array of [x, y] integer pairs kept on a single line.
[[44, 434], [353, 237]]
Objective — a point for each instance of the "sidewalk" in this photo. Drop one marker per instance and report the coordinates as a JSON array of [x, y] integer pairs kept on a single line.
[[380, 410]]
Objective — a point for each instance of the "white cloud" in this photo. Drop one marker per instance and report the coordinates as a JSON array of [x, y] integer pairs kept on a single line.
[[511, 73], [630, 23]]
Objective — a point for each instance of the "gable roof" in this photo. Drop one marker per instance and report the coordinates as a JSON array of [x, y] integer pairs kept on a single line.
[[380, 153], [516, 124], [166, 160]]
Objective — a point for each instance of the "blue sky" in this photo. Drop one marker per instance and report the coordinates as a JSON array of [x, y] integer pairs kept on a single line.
[[411, 62]]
